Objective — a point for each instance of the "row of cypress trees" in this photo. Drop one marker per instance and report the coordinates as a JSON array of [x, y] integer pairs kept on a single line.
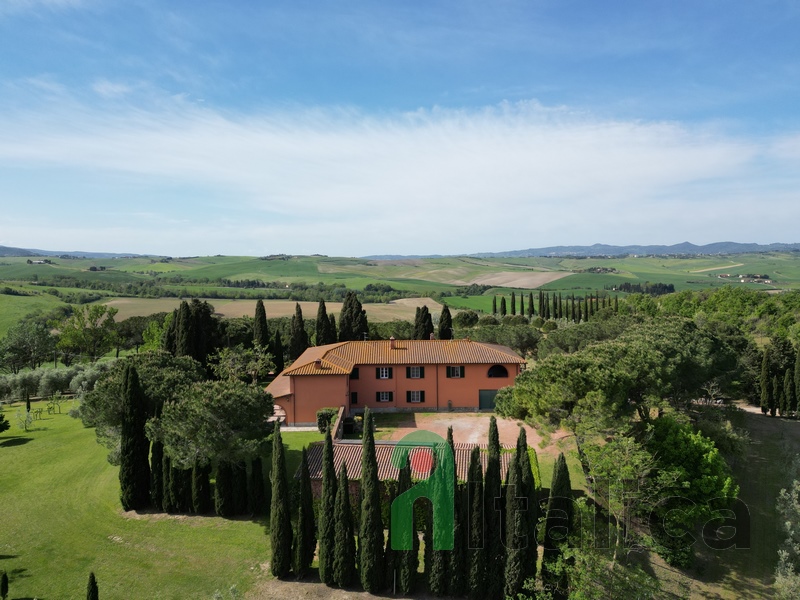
[[556, 306], [779, 395], [495, 526]]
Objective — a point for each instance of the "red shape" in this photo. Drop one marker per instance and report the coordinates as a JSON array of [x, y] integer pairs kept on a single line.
[[421, 461]]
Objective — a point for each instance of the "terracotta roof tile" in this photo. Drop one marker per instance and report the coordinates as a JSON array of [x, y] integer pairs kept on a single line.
[[339, 359], [350, 453]]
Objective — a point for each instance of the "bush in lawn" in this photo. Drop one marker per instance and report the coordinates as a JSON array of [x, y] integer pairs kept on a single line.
[[325, 417], [488, 320], [466, 318]]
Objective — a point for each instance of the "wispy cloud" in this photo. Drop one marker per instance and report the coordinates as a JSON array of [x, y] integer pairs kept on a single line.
[[435, 180]]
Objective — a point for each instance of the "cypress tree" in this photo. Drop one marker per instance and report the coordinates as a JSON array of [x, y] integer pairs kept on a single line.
[[559, 517], [437, 579], [530, 305], [457, 571], [445, 324], [370, 539], [513, 303], [427, 540], [305, 533], [156, 474], [167, 500], [344, 553], [775, 398], [502, 306], [181, 481], [260, 327], [616, 304], [788, 393], [352, 320], [278, 352], [184, 340], [560, 307], [546, 316], [240, 494], [223, 489], [423, 324], [334, 333], [492, 490], [408, 560], [92, 593], [134, 468], [201, 489], [515, 531], [586, 313], [298, 338], [255, 487], [579, 318], [794, 407], [280, 524], [327, 524], [169, 340], [529, 475], [323, 326], [494, 305], [477, 552], [522, 304], [541, 304], [390, 557], [3, 585]]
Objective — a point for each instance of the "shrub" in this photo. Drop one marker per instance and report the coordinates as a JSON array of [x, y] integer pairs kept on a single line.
[[549, 326], [466, 318], [56, 380], [488, 320], [325, 417]]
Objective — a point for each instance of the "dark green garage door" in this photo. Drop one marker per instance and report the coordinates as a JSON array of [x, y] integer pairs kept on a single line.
[[486, 399]]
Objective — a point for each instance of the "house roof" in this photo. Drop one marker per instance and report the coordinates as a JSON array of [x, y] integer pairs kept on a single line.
[[350, 453], [341, 358]]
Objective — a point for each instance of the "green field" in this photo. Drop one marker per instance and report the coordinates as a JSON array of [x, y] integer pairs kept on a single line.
[[200, 276], [61, 519]]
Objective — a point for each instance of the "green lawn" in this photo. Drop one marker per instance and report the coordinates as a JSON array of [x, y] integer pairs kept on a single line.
[[61, 519], [14, 308]]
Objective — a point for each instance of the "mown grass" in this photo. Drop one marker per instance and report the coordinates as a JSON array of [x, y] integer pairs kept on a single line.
[[61, 519], [14, 308]]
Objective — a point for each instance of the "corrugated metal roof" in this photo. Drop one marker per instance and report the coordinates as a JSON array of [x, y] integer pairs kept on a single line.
[[339, 359], [350, 453]]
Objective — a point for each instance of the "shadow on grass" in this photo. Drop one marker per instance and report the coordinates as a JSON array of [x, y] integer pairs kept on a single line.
[[6, 556], [14, 441]]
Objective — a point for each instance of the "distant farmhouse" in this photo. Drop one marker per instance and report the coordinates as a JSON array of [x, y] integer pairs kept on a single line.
[[392, 376]]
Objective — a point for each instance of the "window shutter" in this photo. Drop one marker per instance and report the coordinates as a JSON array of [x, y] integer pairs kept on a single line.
[[422, 396], [422, 372], [377, 396], [408, 372], [377, 373], [448, 372], [462, 371], [390, 372], [408, 396], [391, 396]]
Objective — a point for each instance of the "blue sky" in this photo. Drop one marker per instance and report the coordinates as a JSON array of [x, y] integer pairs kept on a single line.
[[354, 128]]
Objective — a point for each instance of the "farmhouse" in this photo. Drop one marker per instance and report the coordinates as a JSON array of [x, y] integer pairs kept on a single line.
[[394, 375]]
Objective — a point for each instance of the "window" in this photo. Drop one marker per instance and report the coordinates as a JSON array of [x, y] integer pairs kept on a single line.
[[498, 371], [415, 372], [455, 372], [384, 396], [383, 373], [354, 373], [353, 397], [415, 397]]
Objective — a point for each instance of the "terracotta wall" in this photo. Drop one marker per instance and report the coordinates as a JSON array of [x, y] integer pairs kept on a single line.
[[312, 393], [438, 388]]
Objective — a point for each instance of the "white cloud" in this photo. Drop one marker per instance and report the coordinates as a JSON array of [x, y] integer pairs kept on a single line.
[[436, 180], [110, 89]]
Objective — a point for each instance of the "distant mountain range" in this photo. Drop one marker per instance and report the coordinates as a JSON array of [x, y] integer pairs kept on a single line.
[[685, 249], [8, 251]]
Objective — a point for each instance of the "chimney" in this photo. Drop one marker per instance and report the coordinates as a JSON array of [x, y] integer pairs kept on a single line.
[[433, 337], [391, 343], [318, 363]]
